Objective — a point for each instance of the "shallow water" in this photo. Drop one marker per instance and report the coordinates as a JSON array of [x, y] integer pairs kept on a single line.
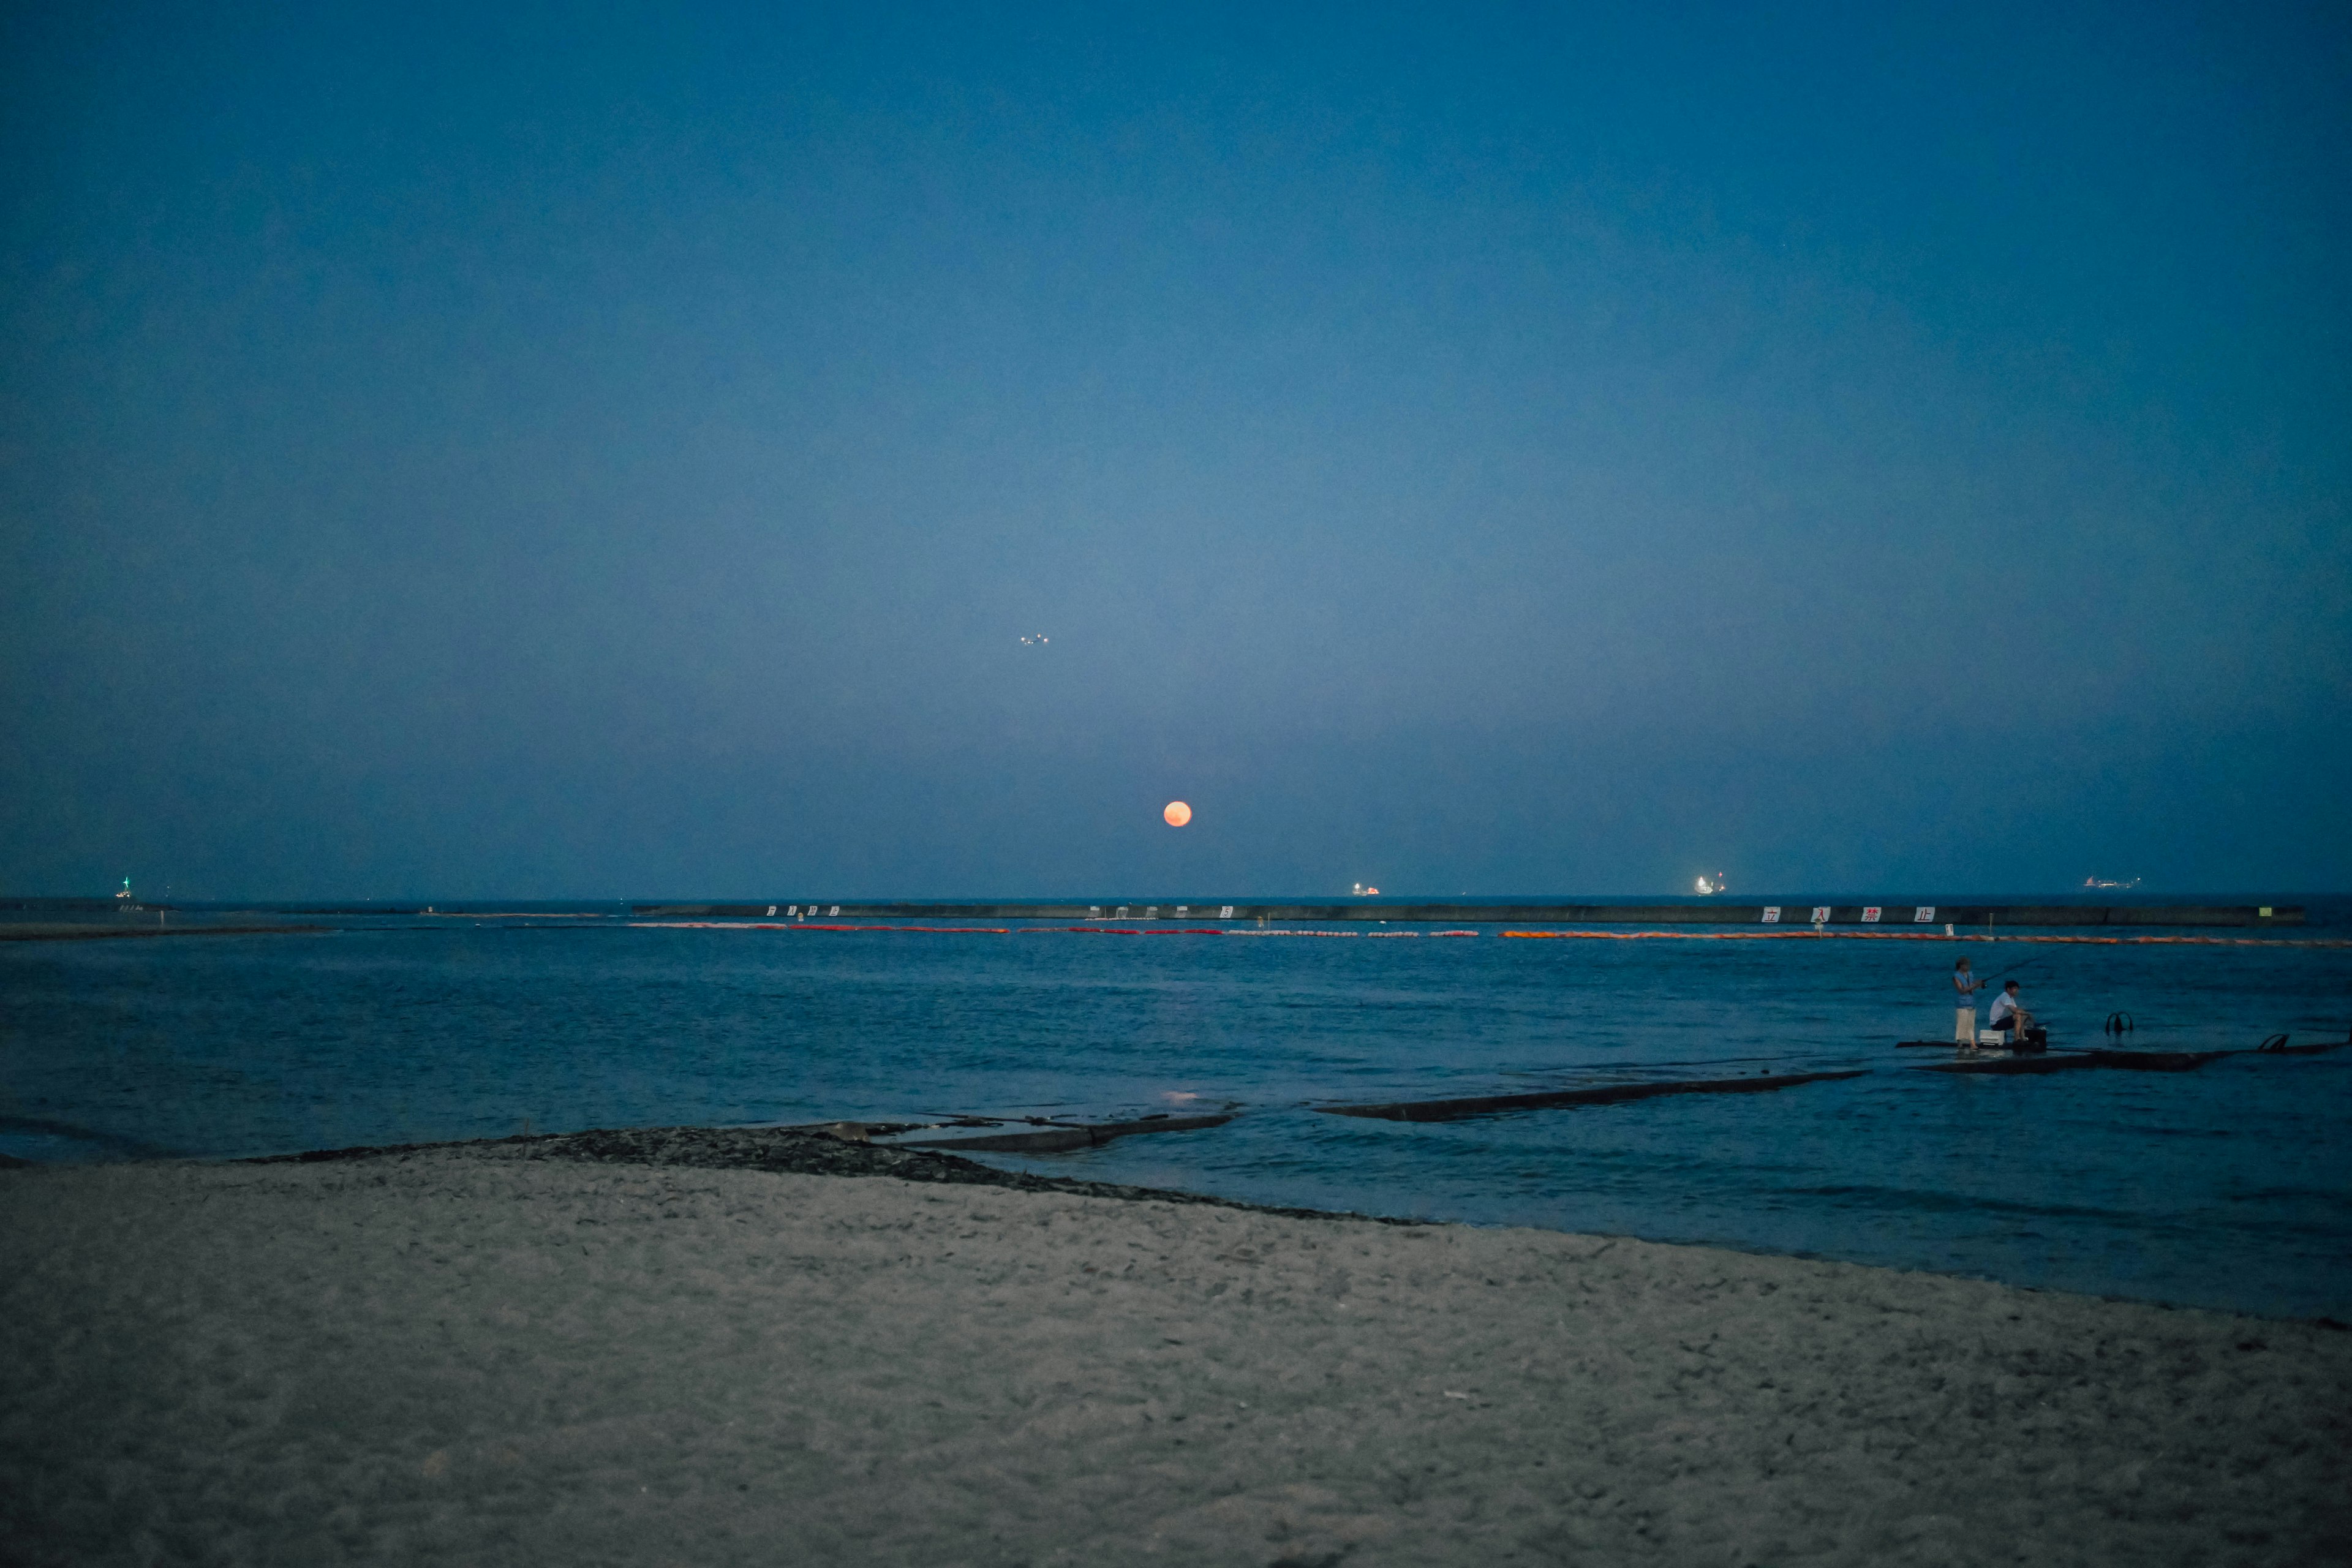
[[2229, 1186]]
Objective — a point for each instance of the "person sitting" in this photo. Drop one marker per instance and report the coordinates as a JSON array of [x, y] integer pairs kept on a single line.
[[2013, 1020]]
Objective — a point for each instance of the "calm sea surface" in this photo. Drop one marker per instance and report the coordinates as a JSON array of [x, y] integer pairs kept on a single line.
[[2229, 1186]]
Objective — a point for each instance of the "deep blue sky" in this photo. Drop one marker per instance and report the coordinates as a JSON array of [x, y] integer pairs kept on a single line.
[[587, 452]]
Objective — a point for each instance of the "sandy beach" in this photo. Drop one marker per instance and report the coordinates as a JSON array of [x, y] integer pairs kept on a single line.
[[542, 1351]]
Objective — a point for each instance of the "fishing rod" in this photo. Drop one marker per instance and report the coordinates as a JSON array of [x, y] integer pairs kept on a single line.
[[1989, 982]]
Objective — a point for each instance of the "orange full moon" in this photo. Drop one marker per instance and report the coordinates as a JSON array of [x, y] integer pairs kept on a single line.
[[1178, 814]]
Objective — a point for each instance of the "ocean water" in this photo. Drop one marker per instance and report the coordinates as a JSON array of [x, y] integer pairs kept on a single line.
[[2229, 1186]]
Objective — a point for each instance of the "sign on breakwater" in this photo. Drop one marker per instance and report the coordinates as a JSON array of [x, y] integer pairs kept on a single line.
[[1999, 917]]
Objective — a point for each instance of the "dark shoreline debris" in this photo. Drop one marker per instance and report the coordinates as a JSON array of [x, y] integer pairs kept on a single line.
[[1054, 1140], [1608, 1094], [794, 1151]]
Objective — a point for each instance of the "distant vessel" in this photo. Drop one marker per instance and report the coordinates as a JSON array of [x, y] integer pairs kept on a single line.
[[2105, 882], [1704, 888]]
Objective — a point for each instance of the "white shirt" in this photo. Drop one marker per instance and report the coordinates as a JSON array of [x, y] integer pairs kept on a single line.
[[2002, 1006]]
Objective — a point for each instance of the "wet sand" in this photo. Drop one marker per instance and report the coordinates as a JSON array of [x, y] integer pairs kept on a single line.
[[643, 1351]]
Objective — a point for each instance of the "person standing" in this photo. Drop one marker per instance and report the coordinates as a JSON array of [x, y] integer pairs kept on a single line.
[[1964, 1016]]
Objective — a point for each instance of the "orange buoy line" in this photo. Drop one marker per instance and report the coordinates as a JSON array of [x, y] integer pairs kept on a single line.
[[1040, 931], [808, 925], [1271, 931]]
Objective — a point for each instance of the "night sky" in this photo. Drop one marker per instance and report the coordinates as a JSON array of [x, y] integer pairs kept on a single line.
[[588, 452]]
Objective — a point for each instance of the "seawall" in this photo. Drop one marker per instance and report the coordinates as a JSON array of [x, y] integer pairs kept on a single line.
[[1972, 917]]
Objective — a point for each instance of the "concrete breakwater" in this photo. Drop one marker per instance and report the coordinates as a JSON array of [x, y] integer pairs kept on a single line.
[[1968, 917], [88, 931]]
